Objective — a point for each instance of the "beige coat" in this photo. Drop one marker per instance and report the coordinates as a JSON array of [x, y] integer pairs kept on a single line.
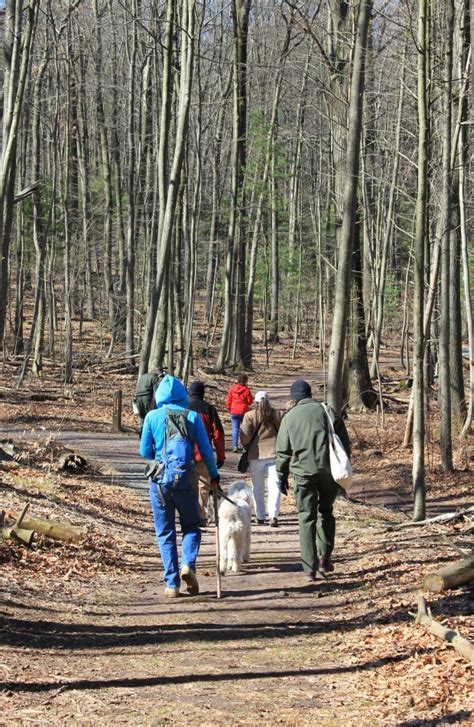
[[263, 446]]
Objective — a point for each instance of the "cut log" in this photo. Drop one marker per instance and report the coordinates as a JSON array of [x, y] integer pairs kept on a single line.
[[70, 461], [16, 532], [20, 534], [450, 576], [7, 450], [51, 528], [463, 646]]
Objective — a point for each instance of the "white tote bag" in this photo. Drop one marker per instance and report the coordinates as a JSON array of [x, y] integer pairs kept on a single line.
[[339, 462]]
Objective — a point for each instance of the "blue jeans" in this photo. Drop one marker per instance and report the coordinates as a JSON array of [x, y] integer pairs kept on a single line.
[[186, 503], [236, 421]]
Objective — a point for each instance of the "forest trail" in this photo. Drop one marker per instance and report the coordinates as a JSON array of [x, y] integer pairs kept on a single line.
[[273, 650]]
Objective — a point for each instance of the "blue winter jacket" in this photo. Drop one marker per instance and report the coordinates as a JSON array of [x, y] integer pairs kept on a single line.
[[171, 394]]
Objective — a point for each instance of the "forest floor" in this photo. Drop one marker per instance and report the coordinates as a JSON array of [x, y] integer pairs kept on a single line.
[[88, 638]]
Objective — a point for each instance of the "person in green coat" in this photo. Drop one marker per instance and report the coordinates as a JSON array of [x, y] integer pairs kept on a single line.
[[302, 450], [145, 392]]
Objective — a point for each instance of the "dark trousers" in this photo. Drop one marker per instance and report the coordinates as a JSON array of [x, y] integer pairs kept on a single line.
[[317, 526]]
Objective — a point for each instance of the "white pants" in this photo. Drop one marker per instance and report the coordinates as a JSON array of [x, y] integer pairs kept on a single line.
[[259, 470]]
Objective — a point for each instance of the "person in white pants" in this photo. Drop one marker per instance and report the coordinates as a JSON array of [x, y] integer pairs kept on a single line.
[[261, 470], [258, 433]]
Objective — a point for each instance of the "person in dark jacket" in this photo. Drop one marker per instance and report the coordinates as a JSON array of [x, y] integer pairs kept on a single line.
[[145, 392], [238, 402], [302, 450], [215, 432], [171, 397]]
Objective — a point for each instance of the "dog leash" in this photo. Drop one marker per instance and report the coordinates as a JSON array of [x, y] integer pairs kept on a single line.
[[219, 493], [218, 545]]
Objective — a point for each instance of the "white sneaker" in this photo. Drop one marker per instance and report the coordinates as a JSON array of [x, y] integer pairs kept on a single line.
[[171, 592], [189, 577]]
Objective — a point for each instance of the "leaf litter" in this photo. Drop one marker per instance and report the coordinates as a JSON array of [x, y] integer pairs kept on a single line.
[[89, 638]]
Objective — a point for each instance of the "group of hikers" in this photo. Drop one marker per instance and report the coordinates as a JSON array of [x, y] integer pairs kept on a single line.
[[183, 435]]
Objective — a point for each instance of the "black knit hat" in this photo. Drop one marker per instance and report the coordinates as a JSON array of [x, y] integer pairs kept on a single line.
[[196, 390], [300, 389]]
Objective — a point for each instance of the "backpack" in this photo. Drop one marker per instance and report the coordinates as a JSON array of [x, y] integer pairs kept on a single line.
[[178, 452]]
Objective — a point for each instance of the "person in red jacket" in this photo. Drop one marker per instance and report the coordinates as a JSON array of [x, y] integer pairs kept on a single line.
[[239, 401], [215, 432]]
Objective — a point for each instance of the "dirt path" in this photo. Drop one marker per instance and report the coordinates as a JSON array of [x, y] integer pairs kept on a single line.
[[273, 651]]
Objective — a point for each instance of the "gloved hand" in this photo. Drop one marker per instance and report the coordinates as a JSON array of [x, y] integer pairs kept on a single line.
[[219, 463], [214, 484], [283, 484]]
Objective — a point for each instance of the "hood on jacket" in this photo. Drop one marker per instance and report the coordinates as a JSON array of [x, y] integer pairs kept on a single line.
[[239, 388], [171, 391]]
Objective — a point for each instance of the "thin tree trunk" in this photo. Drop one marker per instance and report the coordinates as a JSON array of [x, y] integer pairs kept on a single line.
[[445, 292], [419, 488], [18, 39]]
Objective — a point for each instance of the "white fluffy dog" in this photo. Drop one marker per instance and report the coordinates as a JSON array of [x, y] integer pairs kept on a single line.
[[234, 527]]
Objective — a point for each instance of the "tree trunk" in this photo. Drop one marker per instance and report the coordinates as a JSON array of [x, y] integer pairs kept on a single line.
[[421, 227], [345, 241], [445, 291], [234, 294], [361, 395], [18, 41], [186, 24]]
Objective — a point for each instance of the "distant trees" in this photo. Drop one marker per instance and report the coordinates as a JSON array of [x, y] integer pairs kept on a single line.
[[271, 171], [19, 28]]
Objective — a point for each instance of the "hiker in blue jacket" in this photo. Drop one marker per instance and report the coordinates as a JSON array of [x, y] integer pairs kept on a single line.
[[169, 434]]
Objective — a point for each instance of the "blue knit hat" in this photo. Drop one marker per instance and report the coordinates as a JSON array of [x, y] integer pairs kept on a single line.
[[300, 389]]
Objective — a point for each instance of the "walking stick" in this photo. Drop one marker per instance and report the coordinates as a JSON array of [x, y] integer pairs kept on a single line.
[[218, 550]]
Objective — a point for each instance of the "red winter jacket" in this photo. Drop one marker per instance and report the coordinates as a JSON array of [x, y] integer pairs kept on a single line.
[[239, 399], [213, 426]]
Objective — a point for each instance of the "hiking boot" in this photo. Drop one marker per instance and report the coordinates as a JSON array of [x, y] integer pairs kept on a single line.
[[260, 522], [327, 565], [235, 450], [189, 577], [171, 592], [274, 522], [310, 576]]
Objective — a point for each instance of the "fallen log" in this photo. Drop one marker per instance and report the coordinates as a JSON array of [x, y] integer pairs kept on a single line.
[[463, 646], [445, 517], [51, 528], [451, 576]]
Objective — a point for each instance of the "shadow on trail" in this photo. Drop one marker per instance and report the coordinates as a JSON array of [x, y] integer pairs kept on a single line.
[[85, 684], [42, 634], [453, 718], [34, 496]]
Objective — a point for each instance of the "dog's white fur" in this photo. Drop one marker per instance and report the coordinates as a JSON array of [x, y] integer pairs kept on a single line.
[[235, 527], [242, 490]]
